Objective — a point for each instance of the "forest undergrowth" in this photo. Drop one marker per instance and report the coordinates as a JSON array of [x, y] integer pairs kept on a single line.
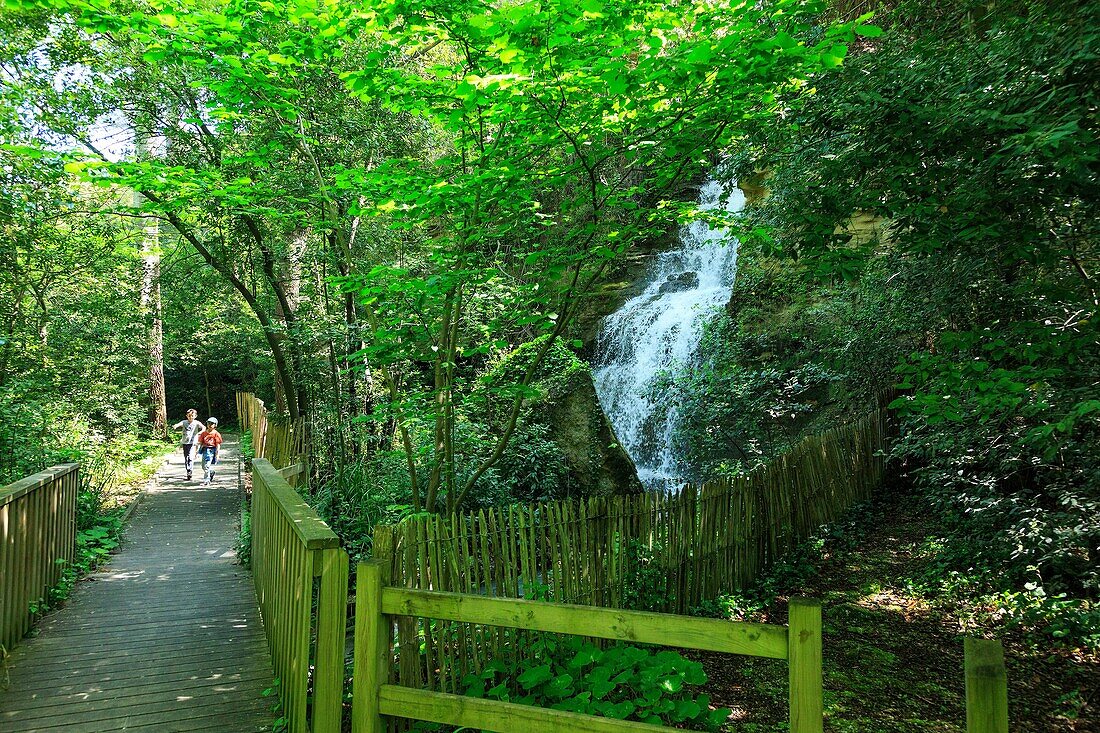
[[894, 621]]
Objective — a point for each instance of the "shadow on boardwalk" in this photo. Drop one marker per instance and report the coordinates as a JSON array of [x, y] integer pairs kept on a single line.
[[167, 637]]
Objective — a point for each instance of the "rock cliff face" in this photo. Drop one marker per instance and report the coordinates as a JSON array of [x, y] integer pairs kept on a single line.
[[597, 464], [566, 436]]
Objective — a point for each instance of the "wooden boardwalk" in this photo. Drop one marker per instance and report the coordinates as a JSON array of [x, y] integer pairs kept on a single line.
[[166, 638]]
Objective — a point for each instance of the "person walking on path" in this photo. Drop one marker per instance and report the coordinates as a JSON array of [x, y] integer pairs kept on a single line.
[[191, 428], [209, 440]]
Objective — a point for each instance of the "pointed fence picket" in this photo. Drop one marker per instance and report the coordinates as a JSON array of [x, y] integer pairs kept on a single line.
[[668, 553]]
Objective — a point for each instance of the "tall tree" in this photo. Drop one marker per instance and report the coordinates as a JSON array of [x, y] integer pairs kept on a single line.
[[152, 309]]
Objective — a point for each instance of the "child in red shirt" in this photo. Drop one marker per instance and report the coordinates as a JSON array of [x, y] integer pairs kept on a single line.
[[209, 440]]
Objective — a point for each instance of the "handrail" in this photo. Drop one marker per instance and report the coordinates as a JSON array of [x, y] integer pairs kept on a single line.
[[309, 527], [376, 605], [644, 627], [24, 486], [37, 538], [292, 548]]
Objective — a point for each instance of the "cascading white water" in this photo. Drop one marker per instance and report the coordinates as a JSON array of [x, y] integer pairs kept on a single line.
[[659, 331]]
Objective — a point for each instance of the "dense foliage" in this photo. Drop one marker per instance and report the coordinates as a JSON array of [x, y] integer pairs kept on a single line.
[[387, 217], [617, 681], [930, 223], [463, 172]]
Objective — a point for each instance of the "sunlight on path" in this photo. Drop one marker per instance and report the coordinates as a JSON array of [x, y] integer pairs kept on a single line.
[[166, 637]]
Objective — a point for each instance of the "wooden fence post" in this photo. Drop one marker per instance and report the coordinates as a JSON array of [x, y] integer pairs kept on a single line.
[[373, 647], [332, 615], [804, 658], [986, 687]]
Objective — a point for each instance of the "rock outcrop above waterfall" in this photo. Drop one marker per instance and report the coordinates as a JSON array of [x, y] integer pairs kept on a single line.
[[680, 282]]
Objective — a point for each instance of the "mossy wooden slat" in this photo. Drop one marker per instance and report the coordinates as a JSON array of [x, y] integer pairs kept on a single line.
[[467, 654], [332, 607], [986, 687], [407, 634], [497, 716], [805, 665], [440, 578], [495, 642], [373, 639], [760, 640], [425, 582]]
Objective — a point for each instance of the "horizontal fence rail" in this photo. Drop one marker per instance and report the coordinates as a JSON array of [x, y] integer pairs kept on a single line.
[[37, 538], [301, 577], [282, 442], [378, 606], [662, 552]]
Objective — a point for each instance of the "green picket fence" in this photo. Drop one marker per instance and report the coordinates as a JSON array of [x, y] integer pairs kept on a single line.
[[678, 550]]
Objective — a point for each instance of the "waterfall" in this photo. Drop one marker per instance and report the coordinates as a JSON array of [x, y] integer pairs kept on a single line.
[[658, 331]]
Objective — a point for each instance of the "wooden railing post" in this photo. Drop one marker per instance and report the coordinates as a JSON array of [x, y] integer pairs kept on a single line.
[[804, 629], [332, 610], [291, 547], [373, 647], [986, 687]]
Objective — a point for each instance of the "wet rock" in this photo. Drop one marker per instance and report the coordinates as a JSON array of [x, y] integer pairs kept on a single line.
[[679, 283], [597, 464]]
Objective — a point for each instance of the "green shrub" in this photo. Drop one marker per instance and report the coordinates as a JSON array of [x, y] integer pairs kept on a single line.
[[646, 582], [362, 495], [619, 681]]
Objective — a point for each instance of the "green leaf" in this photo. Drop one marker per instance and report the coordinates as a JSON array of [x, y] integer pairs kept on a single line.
[[535, 676], [868, 31]]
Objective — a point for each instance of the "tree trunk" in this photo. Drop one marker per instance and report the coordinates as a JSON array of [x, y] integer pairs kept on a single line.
[[154, 333], [153, 313]]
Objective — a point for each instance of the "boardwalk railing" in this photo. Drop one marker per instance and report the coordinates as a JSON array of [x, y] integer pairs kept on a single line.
[[281, 441], [301, 577], [378, 605], [37, 537]]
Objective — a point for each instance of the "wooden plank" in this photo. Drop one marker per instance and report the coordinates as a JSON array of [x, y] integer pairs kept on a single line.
[[332, 608], [60, 683], [986, 686], [150, 691], [373, 647], [759, 640], [310, 528], [805, 666], [162, 711], [492, 715]]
